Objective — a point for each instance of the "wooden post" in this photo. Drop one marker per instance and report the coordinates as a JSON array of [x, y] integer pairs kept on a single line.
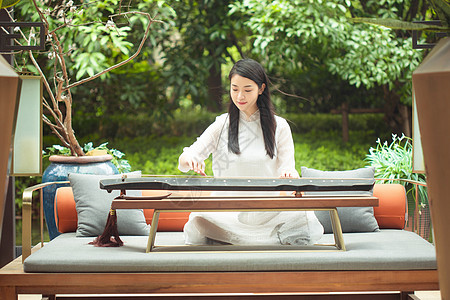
[[9, 87], [431, 87], [8, 110], [345, 112]]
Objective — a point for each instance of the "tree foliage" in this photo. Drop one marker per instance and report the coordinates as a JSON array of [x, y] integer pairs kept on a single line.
[[315, 33], [194, 51], [91, 42], [309, 47], [319, 35]]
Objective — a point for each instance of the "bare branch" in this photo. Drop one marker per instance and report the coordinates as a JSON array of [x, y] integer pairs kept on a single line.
[[20, 30], [55, 129], [56, 44], [12, 52], [46, 84], [54, 112], [41, 15], [77, 25], [58, 87], [60, 55]]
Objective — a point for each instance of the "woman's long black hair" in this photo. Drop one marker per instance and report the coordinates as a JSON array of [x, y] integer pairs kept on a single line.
[[251, 69]]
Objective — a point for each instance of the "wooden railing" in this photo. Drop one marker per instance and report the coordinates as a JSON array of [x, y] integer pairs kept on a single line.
[[27, 203], [28, 198]]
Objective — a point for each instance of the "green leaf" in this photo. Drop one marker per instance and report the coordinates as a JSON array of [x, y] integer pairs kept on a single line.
[[8, 3], [398, 24], [442, 9], [88, 147]]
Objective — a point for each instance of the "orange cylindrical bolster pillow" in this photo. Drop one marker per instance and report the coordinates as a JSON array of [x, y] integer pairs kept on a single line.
[[390, 213], [65, 211], [66, 214]]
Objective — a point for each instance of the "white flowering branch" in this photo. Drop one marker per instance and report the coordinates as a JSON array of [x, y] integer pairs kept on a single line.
[[60, 122]]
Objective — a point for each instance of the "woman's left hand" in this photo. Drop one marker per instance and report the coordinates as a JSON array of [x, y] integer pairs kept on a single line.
[[288, 174]]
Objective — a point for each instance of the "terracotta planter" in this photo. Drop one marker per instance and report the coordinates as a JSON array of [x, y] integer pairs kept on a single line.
[[59, 169]]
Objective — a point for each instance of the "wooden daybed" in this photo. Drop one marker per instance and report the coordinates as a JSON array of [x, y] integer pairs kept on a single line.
[[388, 264]]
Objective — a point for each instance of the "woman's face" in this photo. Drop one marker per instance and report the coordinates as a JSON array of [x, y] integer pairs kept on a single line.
[[244, 93]]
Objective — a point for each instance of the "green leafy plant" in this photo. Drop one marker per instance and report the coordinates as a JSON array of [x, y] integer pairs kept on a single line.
[[122, 164], [440, 7], [393, 162]]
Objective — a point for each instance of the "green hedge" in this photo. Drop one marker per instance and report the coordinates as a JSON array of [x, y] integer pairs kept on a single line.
[[303, 123], [153, 145], [192, 122], [181, 122]]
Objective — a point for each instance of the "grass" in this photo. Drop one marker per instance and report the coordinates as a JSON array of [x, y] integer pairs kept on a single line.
[[317, 138], [35, 232]]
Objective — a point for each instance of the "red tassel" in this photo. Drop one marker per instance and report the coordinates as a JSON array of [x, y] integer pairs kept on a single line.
[[110, 236]]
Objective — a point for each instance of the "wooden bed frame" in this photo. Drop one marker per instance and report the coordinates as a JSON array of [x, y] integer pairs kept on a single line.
[[393, 284], [369, 284]]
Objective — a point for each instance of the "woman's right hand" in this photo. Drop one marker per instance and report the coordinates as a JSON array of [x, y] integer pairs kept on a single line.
[[189, 163], [197, 167]]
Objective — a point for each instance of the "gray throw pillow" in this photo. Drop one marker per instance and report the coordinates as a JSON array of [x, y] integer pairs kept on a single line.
[[93, 204], [353, 219]]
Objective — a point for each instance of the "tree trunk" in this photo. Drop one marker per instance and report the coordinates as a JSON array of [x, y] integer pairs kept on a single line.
[[215, 90], [75, 147], [406, 113], [396, 114]]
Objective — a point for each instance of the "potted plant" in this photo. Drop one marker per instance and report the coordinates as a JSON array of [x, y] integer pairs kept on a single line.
[[76, 35], [69, 19], [393, 164]]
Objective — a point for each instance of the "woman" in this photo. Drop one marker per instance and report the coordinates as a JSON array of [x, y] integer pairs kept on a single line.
[[248, 141]]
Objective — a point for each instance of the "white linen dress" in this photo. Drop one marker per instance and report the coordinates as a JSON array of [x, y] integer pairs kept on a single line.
[[249, 228]]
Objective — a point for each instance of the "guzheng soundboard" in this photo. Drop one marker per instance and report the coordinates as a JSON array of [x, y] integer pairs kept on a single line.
[[238, 184]]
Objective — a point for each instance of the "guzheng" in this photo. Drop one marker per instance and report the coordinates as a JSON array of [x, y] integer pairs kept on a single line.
[[238, 184], [166, 202]]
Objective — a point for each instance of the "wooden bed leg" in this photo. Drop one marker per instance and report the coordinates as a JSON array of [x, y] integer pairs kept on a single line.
[[8, 293], [337, 230], [153, 229], [408, 296]]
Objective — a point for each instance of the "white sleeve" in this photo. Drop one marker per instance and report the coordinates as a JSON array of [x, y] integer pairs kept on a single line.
[[206, 142], [285, 148]]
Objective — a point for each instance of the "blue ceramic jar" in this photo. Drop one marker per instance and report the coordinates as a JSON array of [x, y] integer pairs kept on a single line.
[[59, 169]]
